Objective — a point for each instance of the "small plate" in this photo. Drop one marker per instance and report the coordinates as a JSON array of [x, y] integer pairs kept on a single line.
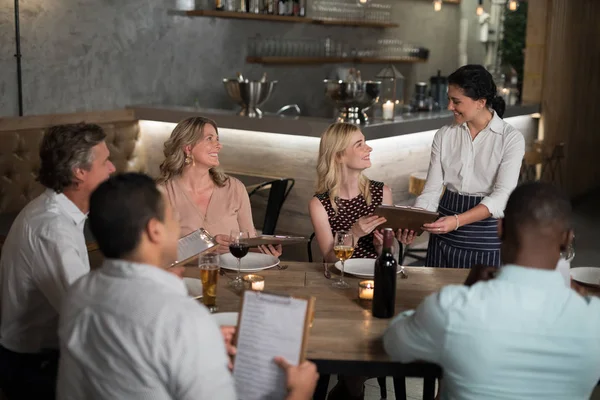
[[253, 262], [194, 287], [226, 318], [587, 275], [359, 267]]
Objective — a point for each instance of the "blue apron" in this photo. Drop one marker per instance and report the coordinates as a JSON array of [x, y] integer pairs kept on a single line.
[[475, 243]]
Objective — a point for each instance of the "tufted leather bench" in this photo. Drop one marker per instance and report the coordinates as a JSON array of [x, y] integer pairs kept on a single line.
[[20, 138]]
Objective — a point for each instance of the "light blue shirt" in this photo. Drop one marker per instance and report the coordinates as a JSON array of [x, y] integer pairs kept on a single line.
[[522, 335]]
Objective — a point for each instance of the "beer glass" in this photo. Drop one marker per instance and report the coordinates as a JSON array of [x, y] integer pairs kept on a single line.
[[209, 275]]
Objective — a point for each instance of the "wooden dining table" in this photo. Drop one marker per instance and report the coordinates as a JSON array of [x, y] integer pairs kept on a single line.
[[345, 338]]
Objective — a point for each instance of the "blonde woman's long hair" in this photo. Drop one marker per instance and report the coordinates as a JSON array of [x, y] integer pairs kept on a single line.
[[187, 133], [334, 141]]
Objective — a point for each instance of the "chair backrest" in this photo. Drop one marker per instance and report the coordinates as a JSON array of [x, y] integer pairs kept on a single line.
[[279, 190], [309, 247]]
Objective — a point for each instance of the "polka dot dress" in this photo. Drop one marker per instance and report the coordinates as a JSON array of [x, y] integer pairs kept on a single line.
[[351, 210]]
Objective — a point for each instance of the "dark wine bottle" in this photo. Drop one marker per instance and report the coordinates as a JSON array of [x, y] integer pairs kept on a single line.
[[384, 294]]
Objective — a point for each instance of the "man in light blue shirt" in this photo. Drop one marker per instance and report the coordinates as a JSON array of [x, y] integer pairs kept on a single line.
[[522, 334]]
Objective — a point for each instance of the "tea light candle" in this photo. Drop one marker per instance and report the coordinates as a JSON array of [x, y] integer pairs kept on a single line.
[[388, 111], [255, 282], [365, 290]]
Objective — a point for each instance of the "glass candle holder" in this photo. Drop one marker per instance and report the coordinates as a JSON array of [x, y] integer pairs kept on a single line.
[[365, 290], [255, 282]]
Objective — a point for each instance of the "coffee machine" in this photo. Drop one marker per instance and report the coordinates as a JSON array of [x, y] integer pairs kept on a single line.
[[421, 100], [439, 91]]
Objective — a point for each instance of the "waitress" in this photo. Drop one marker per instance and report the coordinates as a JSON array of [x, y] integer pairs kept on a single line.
[[478, 160]]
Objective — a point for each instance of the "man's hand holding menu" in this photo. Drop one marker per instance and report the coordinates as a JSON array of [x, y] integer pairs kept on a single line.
[[271, 342], [301, 379]]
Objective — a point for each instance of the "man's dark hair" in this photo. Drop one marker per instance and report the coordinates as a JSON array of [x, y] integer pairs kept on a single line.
[[537, 205], [63, 148], [120, 209]]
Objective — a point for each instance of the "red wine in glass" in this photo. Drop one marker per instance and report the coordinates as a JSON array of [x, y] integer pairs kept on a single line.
[[238, 246], [239, 250]]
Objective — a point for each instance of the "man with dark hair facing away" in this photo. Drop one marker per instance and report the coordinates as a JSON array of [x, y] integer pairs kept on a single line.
[[129, 330], [522, 334]]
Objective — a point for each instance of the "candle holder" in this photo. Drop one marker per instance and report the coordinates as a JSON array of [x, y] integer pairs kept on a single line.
[[365, 290], [254, 282]]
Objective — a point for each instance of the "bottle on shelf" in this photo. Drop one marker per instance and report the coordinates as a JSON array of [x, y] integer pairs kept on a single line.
[[386, 267], [219, 5], [302, 8], [269, 6], [242, 6], [282, 7]]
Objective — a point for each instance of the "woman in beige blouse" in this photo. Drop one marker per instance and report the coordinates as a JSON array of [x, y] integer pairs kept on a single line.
[[200, 193]]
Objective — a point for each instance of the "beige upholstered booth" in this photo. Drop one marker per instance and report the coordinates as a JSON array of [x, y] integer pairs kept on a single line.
[[19, 154]]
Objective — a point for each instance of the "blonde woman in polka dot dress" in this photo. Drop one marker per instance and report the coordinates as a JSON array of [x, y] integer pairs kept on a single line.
[[345, 198]]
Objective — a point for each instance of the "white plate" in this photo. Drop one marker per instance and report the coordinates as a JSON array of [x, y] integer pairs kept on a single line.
[[226, 318], [194, 286], [251, 263], [359, 267], [586, 275]]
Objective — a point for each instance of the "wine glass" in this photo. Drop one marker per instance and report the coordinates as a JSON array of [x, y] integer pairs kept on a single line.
[[238, 246], [343, 247]]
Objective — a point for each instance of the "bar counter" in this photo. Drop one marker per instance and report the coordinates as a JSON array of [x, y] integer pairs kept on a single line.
[[308, 126], [288, 147]]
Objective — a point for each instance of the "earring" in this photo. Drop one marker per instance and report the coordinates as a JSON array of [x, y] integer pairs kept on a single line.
[[188, 159]]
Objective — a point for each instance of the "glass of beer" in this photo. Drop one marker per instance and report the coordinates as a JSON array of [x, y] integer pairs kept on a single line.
[[209, 275], [343, 247]]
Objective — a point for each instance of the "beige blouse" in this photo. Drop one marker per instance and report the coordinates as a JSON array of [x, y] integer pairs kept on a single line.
[[228, 209]]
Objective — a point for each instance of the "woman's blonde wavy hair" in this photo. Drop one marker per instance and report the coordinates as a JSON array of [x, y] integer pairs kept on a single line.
[[334, 142], [187, 133]]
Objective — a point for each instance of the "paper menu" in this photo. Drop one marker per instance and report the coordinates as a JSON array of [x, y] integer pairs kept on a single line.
[[269, 326], [193, 244]]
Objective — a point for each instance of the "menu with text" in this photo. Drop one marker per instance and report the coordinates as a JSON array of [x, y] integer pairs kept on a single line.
[[269, 326]]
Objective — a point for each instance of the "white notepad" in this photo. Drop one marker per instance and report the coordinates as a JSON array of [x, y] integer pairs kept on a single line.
[[269, 326], [193, 244]]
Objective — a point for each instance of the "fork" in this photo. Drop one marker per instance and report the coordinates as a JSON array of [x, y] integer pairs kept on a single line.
[[326, 271]]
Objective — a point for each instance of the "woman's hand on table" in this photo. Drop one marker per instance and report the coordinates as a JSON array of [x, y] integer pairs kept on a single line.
[[223, 244], [228, 332], [442, 225], [365, 225], [301, 380], [269, 249]]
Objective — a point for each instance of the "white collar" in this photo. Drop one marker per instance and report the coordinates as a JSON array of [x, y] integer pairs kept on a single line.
[[133, 270], [67, 206]]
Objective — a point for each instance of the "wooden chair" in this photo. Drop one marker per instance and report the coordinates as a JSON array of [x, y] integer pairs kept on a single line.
[[416, 184]]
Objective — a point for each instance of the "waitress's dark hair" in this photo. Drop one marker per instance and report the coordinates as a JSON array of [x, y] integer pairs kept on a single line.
[[477, 83]]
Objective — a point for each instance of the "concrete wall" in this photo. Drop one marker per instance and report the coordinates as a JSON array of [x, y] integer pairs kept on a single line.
[[106, 54]]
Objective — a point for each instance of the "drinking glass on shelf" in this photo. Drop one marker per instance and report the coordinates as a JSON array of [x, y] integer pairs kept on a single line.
[[343, 247], [209, 275], [238, 246]]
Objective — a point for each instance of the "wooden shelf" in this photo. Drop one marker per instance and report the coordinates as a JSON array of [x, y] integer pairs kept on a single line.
[[363, 24], [329, 60], [281, 18], [241, 15]]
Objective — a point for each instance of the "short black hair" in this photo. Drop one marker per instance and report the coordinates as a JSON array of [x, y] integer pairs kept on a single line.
[[63, 148], [120, 209], [538, 205], [477, 83]]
